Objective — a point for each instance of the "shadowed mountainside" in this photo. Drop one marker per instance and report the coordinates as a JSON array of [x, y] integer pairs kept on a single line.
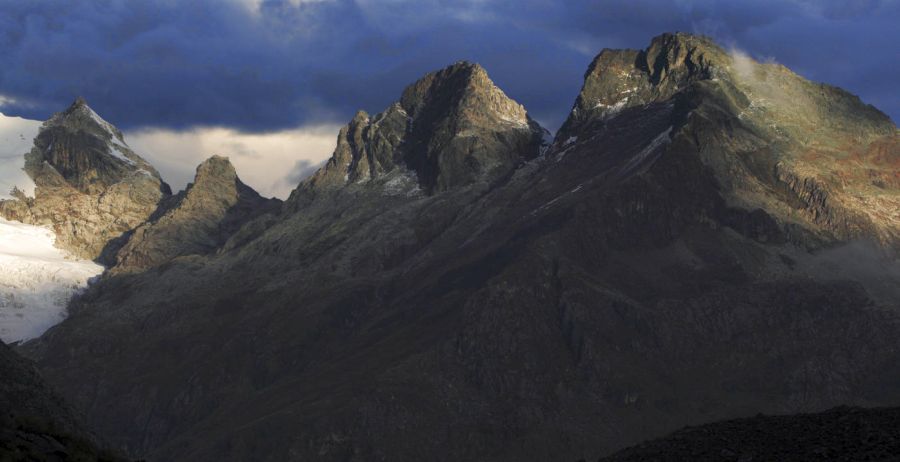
[[447, 287], [837, 434], [35, 424]]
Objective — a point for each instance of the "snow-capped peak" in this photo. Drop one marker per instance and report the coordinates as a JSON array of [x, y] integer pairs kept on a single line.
[[80, 106]]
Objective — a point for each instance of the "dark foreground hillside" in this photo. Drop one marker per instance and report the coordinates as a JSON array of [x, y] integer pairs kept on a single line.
[[839, 434], [35, 424]]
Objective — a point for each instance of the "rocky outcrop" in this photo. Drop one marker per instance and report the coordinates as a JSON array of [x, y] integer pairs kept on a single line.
[[620, 79], [844, 433], [451, 128], [198, 220], [91, 188], [755, 135]]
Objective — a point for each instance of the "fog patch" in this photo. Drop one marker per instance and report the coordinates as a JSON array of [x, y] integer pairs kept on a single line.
[[860, 261], [750, 71]]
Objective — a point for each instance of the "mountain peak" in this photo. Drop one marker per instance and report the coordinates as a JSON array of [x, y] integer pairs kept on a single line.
[[462, 89], [79, 101], [684, 91], [450, 128], [88, 183], [216, 165], [197, 220], [80, 116], [680, 57], [619, 79], [90, 153]]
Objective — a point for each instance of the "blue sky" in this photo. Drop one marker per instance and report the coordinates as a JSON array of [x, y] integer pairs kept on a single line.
[[268, 65]]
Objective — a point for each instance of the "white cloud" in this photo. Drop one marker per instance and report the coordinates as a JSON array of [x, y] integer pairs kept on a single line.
[[265, 161], [254, 5], [743, 64]]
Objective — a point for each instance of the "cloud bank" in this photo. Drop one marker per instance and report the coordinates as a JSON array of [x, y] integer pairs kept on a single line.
[[271, 163], [264, 65]]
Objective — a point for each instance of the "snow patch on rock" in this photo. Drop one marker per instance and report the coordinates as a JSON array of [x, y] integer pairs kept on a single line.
[[16, 139], [643, 157], [117, 152], [607, 111], [108, 127]]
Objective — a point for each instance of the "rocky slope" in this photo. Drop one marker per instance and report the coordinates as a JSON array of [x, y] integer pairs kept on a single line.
[[837, 434], [442, 290], [90, 187], [197, 220], [452, 127], [814, 159], [35, 424]]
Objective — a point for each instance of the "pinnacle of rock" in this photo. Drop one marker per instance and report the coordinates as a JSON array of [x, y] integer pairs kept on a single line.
[[215, 167], [452, 127], [619, 79], [196, 220]]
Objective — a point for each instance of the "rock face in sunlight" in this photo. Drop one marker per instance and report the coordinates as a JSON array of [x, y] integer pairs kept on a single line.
[[91, 188], [196, 221], [696, 244], [36, 281]]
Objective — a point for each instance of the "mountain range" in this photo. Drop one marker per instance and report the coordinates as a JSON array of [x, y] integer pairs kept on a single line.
[[706, 237]]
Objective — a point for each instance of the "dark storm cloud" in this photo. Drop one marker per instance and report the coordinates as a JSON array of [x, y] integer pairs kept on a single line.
[[259, 66]]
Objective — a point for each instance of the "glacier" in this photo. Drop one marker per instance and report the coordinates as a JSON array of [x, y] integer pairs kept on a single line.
[[16, 137], [37, 280]]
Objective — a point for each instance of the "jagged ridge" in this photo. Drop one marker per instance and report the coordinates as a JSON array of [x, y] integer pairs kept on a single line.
[[198, 220], [765, 138], [451, 128]]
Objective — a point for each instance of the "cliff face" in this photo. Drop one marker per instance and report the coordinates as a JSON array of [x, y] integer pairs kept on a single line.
[[680, 257], [91, 188]]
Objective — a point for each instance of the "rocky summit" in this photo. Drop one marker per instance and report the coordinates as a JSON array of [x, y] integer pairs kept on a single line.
[[196, 221], [90, 187], [707, 237], [451, 128]]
